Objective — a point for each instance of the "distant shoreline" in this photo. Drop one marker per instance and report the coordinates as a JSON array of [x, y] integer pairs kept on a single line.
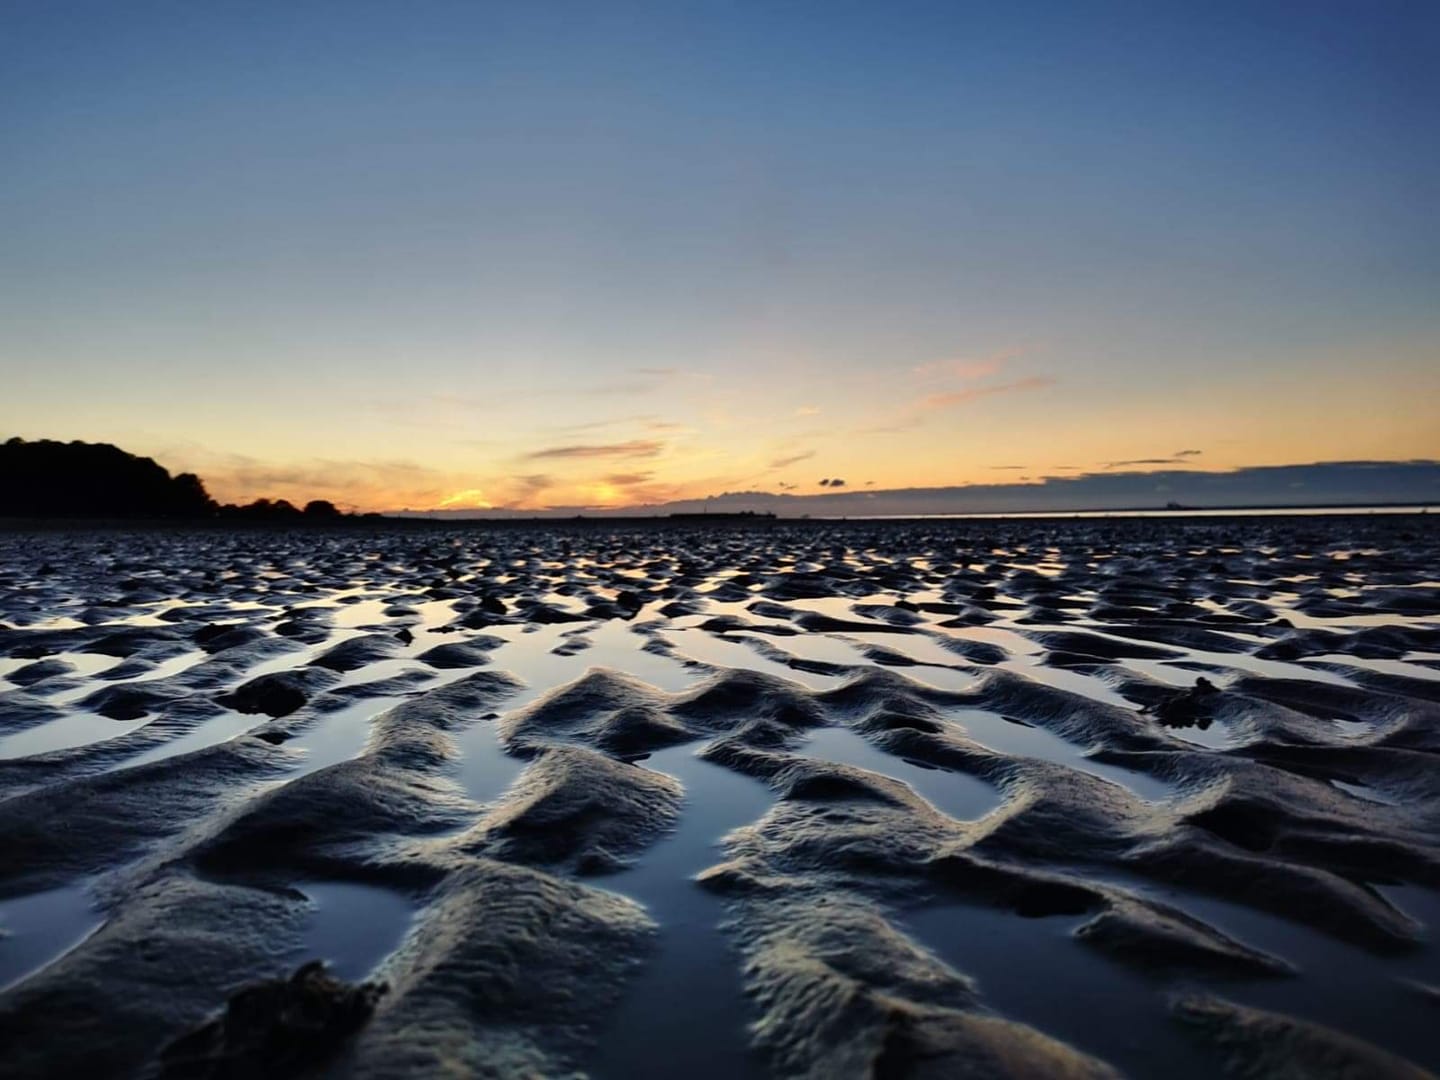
[[420, 522]]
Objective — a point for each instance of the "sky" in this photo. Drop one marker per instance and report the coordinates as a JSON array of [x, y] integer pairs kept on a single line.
[[515, 255]]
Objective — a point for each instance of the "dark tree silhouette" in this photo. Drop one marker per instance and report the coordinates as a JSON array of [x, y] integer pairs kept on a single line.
[[49, 479], [321, 509], [280, 510], [46, 478]]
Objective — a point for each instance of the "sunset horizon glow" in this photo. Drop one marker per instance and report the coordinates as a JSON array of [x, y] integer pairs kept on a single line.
[[515, 257]]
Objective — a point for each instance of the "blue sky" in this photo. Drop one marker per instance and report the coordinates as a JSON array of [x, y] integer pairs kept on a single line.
[[408, 251]]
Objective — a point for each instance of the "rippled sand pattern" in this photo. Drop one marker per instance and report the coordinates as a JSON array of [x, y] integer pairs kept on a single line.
[[1158, 798]]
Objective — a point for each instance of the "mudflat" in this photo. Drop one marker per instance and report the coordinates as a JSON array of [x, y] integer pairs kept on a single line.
[[1029, 798]]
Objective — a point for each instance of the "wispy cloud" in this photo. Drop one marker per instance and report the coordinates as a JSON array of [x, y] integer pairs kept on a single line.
[[780, 463], [1177, 458], [807, 410], [955, 381], [366, 485], [968, 367], [974, 393], [523, 490], [634, 448]]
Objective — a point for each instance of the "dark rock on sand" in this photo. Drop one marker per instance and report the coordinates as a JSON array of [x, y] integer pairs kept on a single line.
[[275, 1028], [278, 694], [1188, 708]]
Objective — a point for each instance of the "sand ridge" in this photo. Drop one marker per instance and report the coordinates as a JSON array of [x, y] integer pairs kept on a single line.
[[1190, 765]]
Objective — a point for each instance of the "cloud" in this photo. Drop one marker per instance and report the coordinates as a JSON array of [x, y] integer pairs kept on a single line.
[[832, 483], [968, 367], [1335, 483], [808, 410], [1007, 466], [524, 488], [914, 414], [634, 448], [974, 393], [1177, 458], [780, 463], [350, 484], [629, 479]]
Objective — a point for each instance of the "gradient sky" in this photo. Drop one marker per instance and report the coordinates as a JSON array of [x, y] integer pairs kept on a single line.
[[523, 254]]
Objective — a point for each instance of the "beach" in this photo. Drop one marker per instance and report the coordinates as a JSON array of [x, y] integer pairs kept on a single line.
[[1093, 797]]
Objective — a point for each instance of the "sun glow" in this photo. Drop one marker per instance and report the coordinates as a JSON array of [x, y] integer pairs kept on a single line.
[[469, 499]]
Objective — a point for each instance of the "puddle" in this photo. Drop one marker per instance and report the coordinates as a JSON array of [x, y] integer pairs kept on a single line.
[[1212, 735], [1165, 671], [1379, 666], [684, 1014], [1033, 971], [70, 730], [916, 647], [957, 794], [38, 929], [215, 730], [354, 927], [486, 771], [615, 645], [822, 647], [737, 655], [1340, 985], [338, 736], [1023, 740]]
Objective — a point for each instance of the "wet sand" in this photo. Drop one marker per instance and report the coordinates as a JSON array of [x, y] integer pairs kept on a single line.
[[1059, 798]]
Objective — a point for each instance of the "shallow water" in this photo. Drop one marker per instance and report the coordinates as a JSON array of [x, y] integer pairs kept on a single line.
[[691, 983], [71, 730], [1034, 971], [354, 927], [960, 796], [685, 1011], [38, 929], [1009, 736]]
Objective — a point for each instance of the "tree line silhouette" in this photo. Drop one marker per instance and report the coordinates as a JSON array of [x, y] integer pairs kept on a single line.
[[44, 478]]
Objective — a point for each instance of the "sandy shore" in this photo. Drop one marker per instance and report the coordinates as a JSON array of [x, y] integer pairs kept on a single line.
[[869, 799]]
